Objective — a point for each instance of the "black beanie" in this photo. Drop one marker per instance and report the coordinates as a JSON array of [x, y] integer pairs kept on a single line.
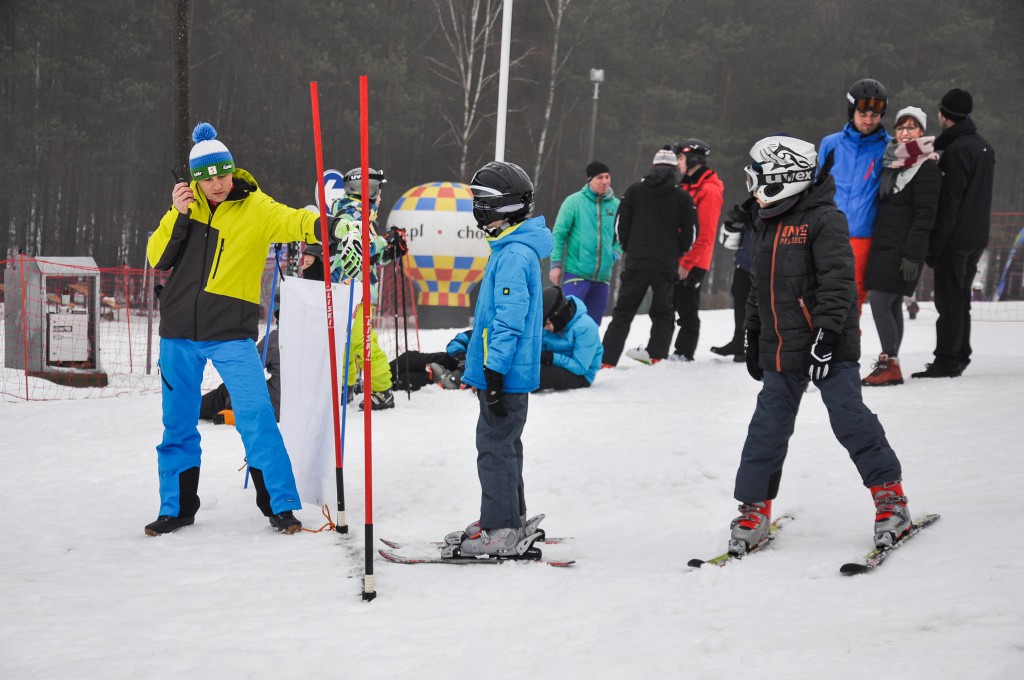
[[595, 168], [957, 105]]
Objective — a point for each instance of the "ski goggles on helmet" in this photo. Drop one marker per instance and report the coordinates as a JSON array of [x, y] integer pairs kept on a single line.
[[870, 104], [755, 175]]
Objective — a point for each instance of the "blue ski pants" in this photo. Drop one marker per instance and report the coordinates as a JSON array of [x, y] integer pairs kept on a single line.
[[499, 462], [182, 363], [854, 425]]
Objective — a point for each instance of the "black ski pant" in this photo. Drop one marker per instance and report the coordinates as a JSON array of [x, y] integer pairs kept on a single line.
[[634, 285], [954, 274], [558, 378], [686, 301], [887, 311], [215, 401], [740, 290], [854, 425], [409, 369]]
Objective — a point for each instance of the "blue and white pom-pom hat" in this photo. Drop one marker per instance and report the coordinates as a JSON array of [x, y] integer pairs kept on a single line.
[[209, 158]]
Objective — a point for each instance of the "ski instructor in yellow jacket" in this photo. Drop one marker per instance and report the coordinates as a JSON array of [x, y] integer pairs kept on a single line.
[[214, 240]]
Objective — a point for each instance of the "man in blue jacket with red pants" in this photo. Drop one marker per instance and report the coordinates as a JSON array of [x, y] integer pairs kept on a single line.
[[857, 152]]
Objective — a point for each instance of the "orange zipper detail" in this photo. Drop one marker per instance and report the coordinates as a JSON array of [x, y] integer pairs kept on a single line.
[[807, 313]]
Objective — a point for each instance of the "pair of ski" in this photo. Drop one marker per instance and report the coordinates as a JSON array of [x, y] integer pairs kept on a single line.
[[873, 559], [433, 554]]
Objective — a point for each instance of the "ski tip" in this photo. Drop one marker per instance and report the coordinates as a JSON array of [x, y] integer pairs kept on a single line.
[[696, 563], [390, 544], [854, 568]]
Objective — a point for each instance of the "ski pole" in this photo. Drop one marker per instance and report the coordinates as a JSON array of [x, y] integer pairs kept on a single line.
[[314, 94], [369, 591], [405, 327]]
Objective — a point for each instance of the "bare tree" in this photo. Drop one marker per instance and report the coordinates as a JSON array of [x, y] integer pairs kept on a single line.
[[470, 35], [556, 10]]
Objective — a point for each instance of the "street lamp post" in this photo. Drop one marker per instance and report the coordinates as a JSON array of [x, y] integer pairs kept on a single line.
[[596, 77]]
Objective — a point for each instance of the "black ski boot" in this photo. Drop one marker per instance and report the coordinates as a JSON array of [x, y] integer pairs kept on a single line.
[[285, 522], [188, 505]]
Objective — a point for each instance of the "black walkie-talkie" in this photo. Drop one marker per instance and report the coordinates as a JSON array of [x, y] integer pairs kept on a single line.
[[178, 178]]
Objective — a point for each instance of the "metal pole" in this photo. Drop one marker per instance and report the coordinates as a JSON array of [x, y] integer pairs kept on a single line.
[[506, 40], [593, 125]]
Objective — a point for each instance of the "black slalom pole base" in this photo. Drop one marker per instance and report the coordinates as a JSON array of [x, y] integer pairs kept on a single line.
[[341, 525], [369, 591]]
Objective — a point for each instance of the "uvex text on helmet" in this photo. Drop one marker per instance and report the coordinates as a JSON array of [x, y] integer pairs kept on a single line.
[[866, 95], [782, 167], [354, 182], [501, 191]]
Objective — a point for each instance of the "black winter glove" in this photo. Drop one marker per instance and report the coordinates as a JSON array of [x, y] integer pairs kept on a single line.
[[492, 396], [695, 277], [547, 357], [750, 346], [910, 269], [820, 354], [396, 243]]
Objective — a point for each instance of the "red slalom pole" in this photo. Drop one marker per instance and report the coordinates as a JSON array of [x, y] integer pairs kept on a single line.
[[369, 592], [340, 524]]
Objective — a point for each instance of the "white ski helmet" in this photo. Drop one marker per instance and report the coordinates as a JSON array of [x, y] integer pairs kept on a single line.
[[783, 167]]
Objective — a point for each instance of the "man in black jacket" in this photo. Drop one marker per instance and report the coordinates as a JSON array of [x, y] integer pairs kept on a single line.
[[802, 323], [655, 225], [961, 231]]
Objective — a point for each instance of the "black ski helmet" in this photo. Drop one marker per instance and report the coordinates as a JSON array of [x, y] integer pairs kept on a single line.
[[354, 182], [867, 93], [696, 151], [501, 191], [557, 309]]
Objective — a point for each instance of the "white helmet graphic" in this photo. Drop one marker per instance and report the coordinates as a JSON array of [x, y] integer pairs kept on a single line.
[[783, 167]]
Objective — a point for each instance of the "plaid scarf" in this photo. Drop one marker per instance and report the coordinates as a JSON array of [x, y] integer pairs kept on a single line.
[[901, 162]]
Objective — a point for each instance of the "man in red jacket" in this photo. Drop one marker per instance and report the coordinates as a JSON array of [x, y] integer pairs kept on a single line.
[[705, 188]]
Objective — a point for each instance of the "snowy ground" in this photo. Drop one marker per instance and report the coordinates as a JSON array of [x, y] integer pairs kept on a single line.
[[639, 469]]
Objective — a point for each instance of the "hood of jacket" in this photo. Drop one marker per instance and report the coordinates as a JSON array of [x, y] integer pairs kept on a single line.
[[533, 233], [662, 179]]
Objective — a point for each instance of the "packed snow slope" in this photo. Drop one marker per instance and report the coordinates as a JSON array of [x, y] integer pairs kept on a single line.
[[637, 469]]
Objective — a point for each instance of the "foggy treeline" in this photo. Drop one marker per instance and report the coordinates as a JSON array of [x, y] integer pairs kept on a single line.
[[86, 125]]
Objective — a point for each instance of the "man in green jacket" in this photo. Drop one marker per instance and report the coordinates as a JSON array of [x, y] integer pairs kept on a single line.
[[585, 247]]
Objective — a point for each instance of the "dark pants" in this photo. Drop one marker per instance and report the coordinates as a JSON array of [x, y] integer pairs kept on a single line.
[[215, 401], [686, 300], [409, 369], [499, 462], [853, 424], [954, 274], [558, 378], [635, 283], [740, 290], [887, 311]]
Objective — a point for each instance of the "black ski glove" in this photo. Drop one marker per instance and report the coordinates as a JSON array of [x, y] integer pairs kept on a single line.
[[910, 269], [492, 396], [695, 277], [396, 243], [820, 354], [753, 352], [547, 357]]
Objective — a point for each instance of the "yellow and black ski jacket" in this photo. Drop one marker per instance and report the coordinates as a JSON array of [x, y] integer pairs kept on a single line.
[[216, 257]]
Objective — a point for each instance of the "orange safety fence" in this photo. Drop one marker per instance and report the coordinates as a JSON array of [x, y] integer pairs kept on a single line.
[[72, 331]]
